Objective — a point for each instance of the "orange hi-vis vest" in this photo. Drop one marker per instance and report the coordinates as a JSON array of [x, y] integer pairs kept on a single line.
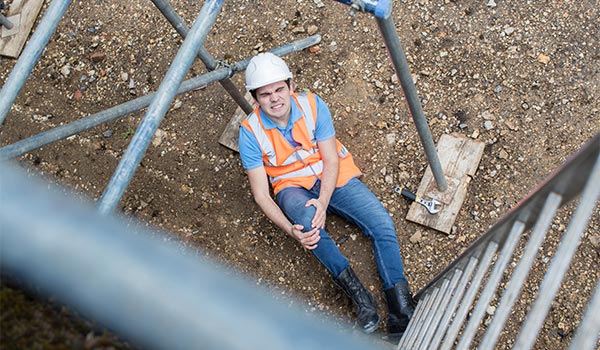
[[297, 166]]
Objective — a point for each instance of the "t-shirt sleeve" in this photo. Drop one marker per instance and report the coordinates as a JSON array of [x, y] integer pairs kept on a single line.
[[324, 128], [250, 151]]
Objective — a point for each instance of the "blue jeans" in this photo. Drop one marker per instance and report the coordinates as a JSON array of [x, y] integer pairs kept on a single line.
[[357, 204]]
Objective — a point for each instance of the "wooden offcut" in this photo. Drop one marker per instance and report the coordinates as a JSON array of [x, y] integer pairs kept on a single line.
[[22, 14], [459, 157], [229, 137]]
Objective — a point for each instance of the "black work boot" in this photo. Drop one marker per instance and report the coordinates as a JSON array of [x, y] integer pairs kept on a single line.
[[401, 307], [364, 303]]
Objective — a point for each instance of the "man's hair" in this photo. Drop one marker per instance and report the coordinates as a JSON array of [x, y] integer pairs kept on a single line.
[[288, 82]]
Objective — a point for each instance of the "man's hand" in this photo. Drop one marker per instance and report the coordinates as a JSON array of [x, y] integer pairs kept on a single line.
[[307, 239], [318, 220]]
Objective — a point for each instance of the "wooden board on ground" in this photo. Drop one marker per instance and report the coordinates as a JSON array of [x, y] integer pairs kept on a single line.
[[229, 137], [22, 14], [459, 157]]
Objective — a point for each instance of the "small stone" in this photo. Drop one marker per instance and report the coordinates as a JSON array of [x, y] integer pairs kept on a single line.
[[298, 30], [503, 154], [319, 3], [389, 179], [416, 237], [488, 125], [312, 29], [107, 133], [543, 59], [97, 56], [158, 137], [595, 240], [509, 30], [491, 4], [66, 70], [487, 115], [391, 139]]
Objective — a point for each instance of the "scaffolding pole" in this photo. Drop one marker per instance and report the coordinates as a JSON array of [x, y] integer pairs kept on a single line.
[[396, 52], [5, 22], [62, 132], [159, 107], [211, 64], [30, 55], [154, 293]]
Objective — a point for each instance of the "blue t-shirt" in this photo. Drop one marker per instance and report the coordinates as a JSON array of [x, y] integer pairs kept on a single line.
[[250, 149]]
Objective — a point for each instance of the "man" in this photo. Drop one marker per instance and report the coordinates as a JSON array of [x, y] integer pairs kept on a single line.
[[289, 141]]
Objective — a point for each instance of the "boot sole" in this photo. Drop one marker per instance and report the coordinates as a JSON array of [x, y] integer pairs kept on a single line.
[[374, 327]]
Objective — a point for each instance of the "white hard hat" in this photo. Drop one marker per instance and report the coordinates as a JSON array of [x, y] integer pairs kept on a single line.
[[264, 69]]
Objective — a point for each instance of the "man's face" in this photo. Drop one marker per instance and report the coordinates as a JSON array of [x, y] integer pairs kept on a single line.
[[275, 101]]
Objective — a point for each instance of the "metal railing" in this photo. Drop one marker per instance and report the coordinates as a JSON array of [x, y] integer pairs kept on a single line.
[[443, 306]]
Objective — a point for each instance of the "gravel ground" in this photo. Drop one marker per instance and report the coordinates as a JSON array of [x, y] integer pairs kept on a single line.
[[520, 76]]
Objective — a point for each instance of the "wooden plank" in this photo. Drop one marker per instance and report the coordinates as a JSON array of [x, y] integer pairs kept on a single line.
[[229, 137], [459, 158], [22, 14]]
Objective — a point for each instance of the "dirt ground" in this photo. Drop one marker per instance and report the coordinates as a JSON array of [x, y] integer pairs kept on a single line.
[[520, 76]]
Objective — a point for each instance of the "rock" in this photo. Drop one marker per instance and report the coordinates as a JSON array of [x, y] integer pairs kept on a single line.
[[488, 125], [595, 240], [298, 30], [312, 29], [508, 31], [491, 4], [487, 115], [66, 70], [158, 137], [97, 56], [417, 237], [503, 154], [319, 3], [391, 139], [543, 59]]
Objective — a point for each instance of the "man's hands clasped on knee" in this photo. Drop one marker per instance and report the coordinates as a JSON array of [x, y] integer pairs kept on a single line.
[[307, 239]]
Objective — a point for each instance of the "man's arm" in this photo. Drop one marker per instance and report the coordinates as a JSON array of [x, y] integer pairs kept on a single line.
[[260, 190], [329, 177]]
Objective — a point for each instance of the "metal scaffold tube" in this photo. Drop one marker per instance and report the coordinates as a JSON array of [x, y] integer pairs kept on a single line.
[[159, 107], [61, 132], [5, 22], [396, 52], [152, 292], [211, 64], [30, 55]]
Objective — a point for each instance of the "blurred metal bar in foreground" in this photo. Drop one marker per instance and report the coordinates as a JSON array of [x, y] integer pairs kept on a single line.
[[133, 280]]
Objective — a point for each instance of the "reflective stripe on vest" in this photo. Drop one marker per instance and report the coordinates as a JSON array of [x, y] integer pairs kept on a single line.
[[300, 154]]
